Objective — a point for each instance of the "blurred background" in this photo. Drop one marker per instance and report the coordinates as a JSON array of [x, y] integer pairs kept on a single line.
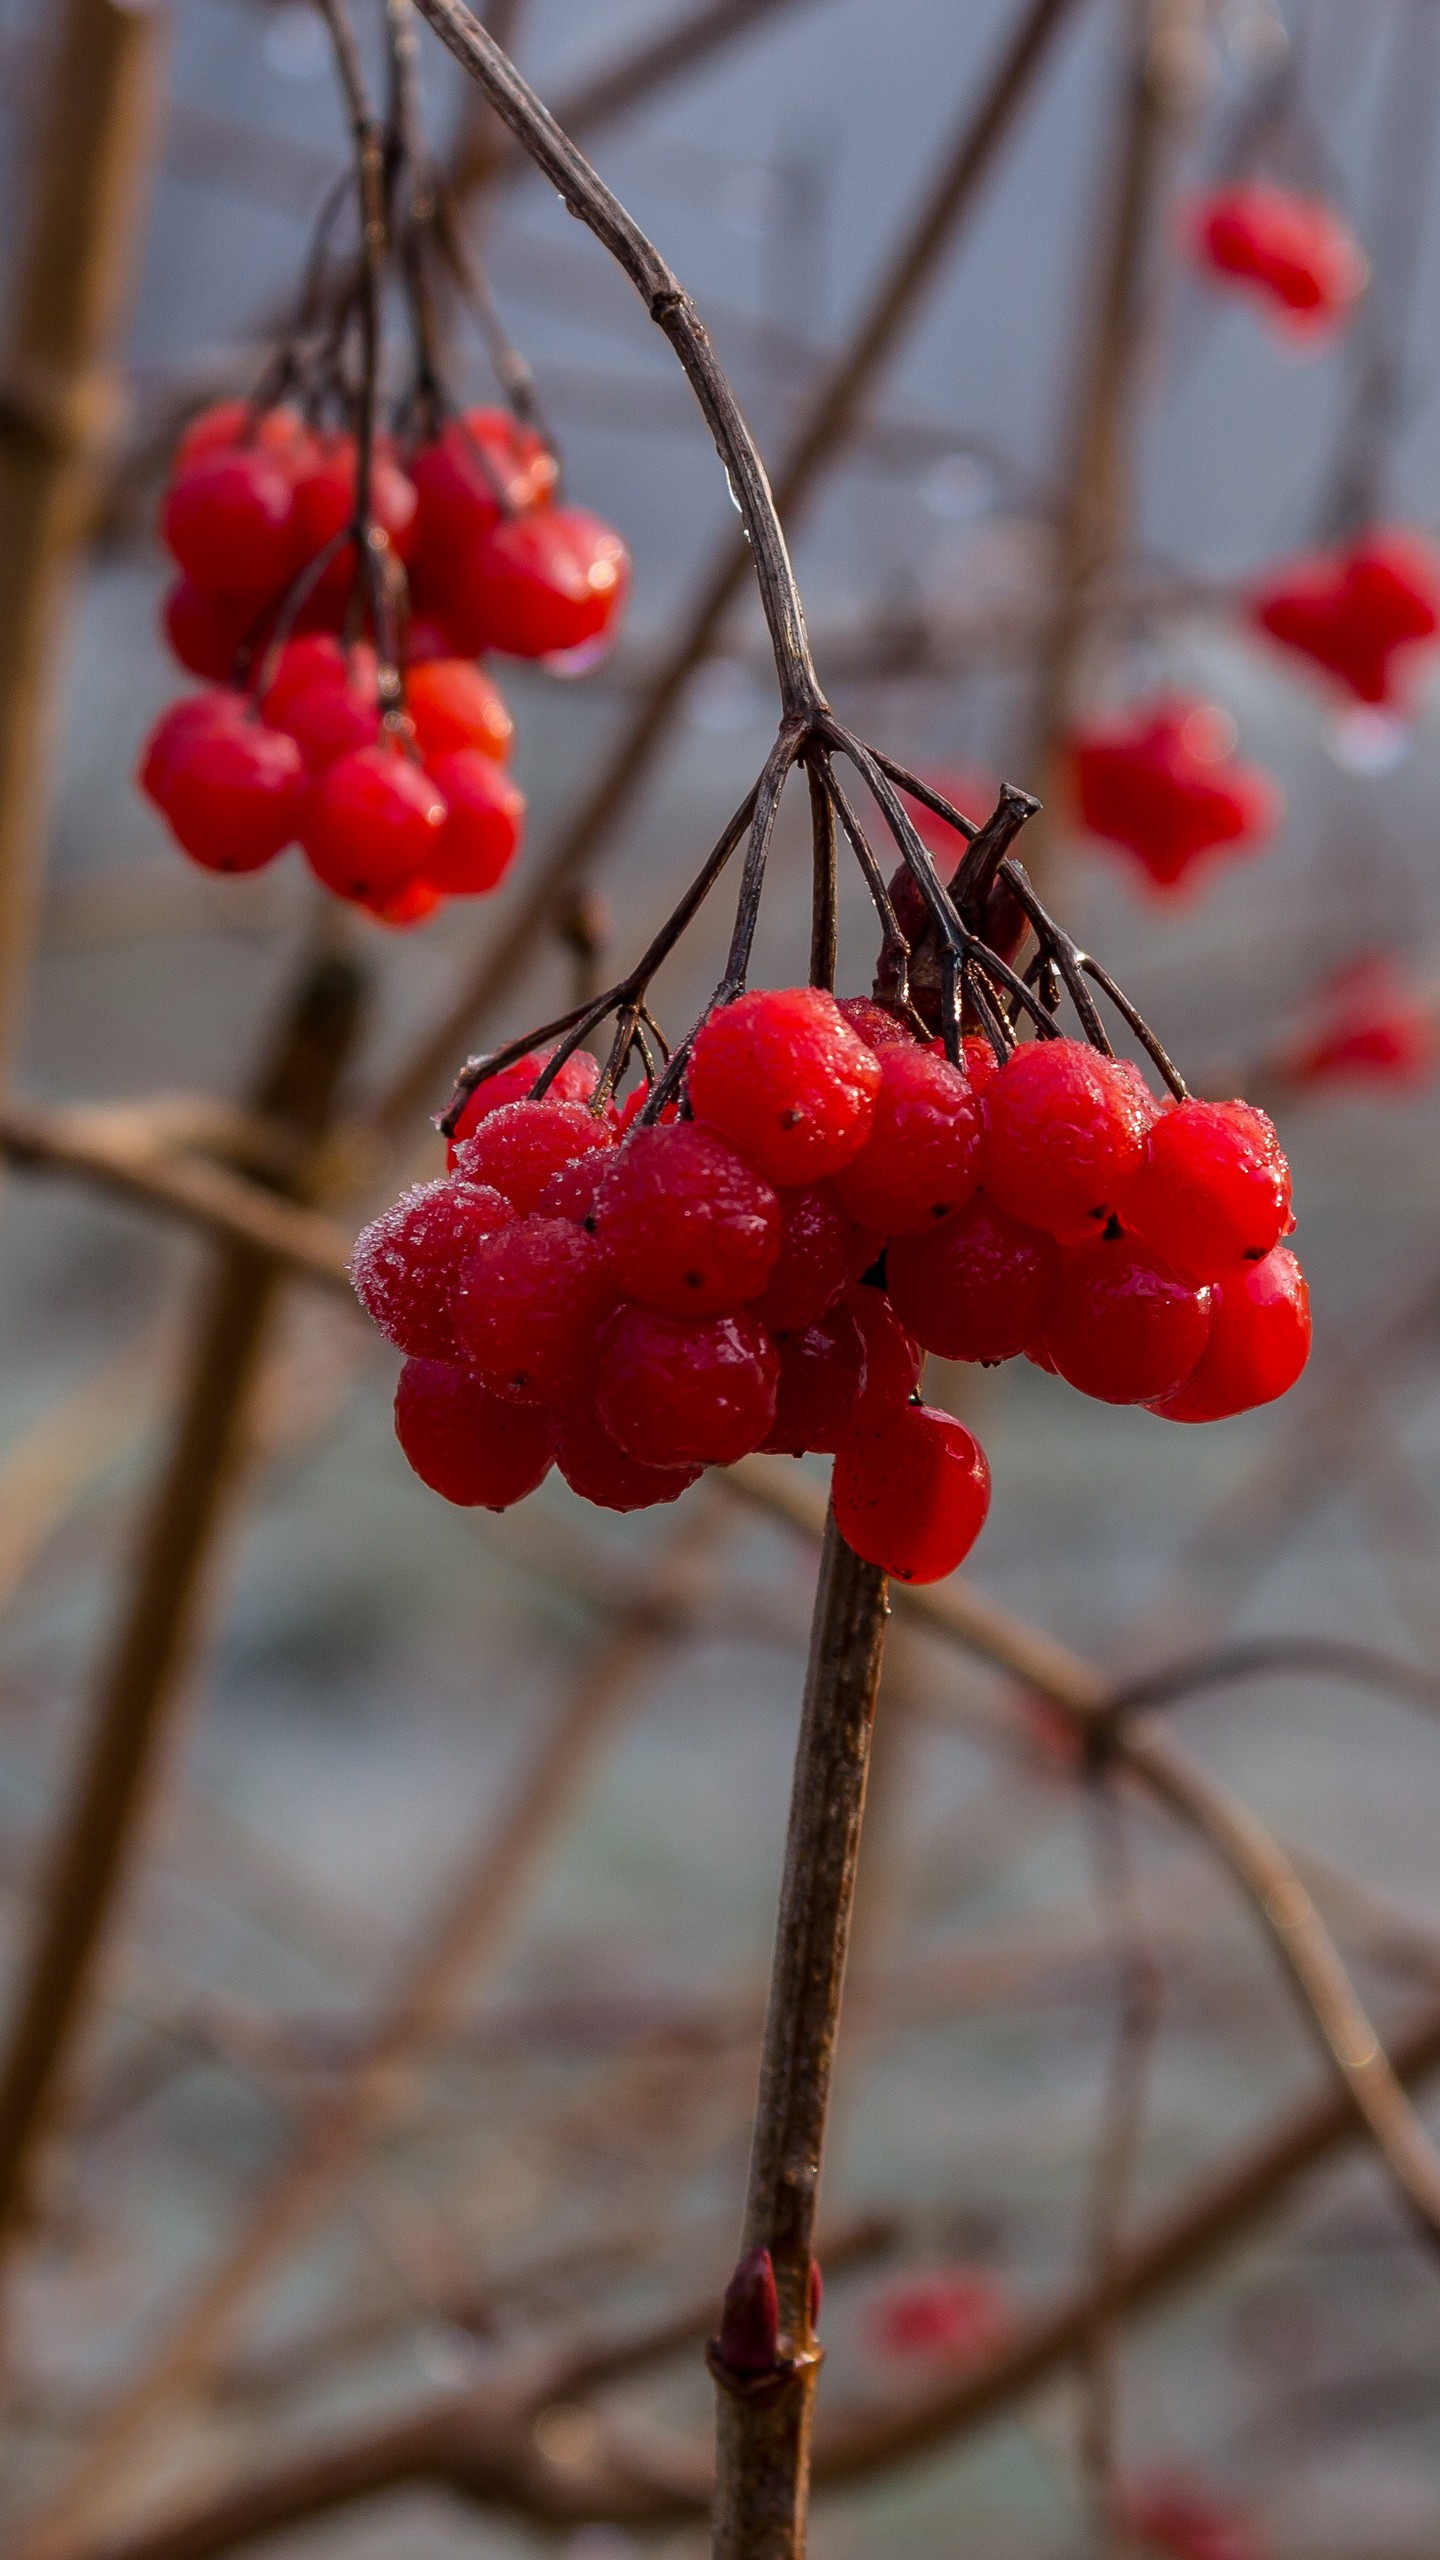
[[556, 2149]]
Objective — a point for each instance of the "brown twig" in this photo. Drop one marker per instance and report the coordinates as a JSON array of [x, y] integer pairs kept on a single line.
[[817, 443], [57, 402], [140, 1681], [765, 2402]]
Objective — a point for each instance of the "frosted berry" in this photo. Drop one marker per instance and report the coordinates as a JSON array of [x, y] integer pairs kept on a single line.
[[922, 1155], [527, 1302], [574, 1190], [676, 1394], [980, 1287], [893, 1358], [467, 1444], [229, 520], [485, 817], [371, 824], [820, 1250], [1212, 1188], [596, 1467], [979, 1061], [1063, 1132], [232, 792], [685, 1225], [911, 1496], [784, 1078], [404, 1264], [575, 1082], [822, 1379], [1125, 1329], [520, 1146], [454, 704], [1259, 1342], [542, 584]]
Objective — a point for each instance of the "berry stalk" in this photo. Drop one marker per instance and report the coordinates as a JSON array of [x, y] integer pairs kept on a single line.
[[765, 2360]]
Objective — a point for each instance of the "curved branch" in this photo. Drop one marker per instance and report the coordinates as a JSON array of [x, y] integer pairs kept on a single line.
[[1279, 1658], [586, 195]]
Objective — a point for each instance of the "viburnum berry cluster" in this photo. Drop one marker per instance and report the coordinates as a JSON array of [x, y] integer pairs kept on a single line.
[[338, 579], [1291, 252], [1363, 614], [758, 1247]]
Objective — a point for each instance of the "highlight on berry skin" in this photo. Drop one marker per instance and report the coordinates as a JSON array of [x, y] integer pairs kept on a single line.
[[756, 1248]]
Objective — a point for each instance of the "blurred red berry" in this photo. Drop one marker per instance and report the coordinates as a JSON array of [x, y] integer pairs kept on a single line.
[[950, 2315], [1293, 251], [371, 823], [231, 791], [454, 704], [1161, 783], [1370, 1023], [1362, 613], [229, 520], [485, 818], [539, 585]]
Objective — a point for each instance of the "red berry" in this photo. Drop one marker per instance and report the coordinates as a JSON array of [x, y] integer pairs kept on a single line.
[[822, 1380], [414, 904], [317, 657], [453, 704], [232, 793], [980, 1062], [596, 1467], [1125, 1329], [226, 424], [540, 585], [893, 1359], [207, 633], [1259, 1342], [481, 834], [575, 1082], [467, 1444], [875, 1024], [521, 1145], [980, 1287], [1360, 613], [403, 1265], [955, 2313], [229, 519], [675, 1394], [820, 1250], [685, 1225], [1063, 1132], [911, 1496], [1212, 1188], [371, 824], [922, 1156], [784, 1078], [325, 505], [328, 720], [1293, 250], [1372, 1023], [476, 462], [527, 1302], [1162, 783], [574, 1190], [195, 716]]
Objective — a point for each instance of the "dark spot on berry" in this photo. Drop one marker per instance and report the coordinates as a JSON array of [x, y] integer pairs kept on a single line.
[[1113, 1230], [790, 1119], [1256, 1253], [694, 1279]]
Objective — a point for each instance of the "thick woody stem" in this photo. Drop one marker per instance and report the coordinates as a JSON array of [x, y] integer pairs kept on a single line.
[[590, 200], [763, 2450]]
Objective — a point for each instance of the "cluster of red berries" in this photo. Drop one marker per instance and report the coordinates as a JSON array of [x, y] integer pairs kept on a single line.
[[395, 808], [1292, 252], [1162, 781], [1177, 2518], [1363, 614], [946, 2317], [256, 497], [637, 1304], [392, 814]]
